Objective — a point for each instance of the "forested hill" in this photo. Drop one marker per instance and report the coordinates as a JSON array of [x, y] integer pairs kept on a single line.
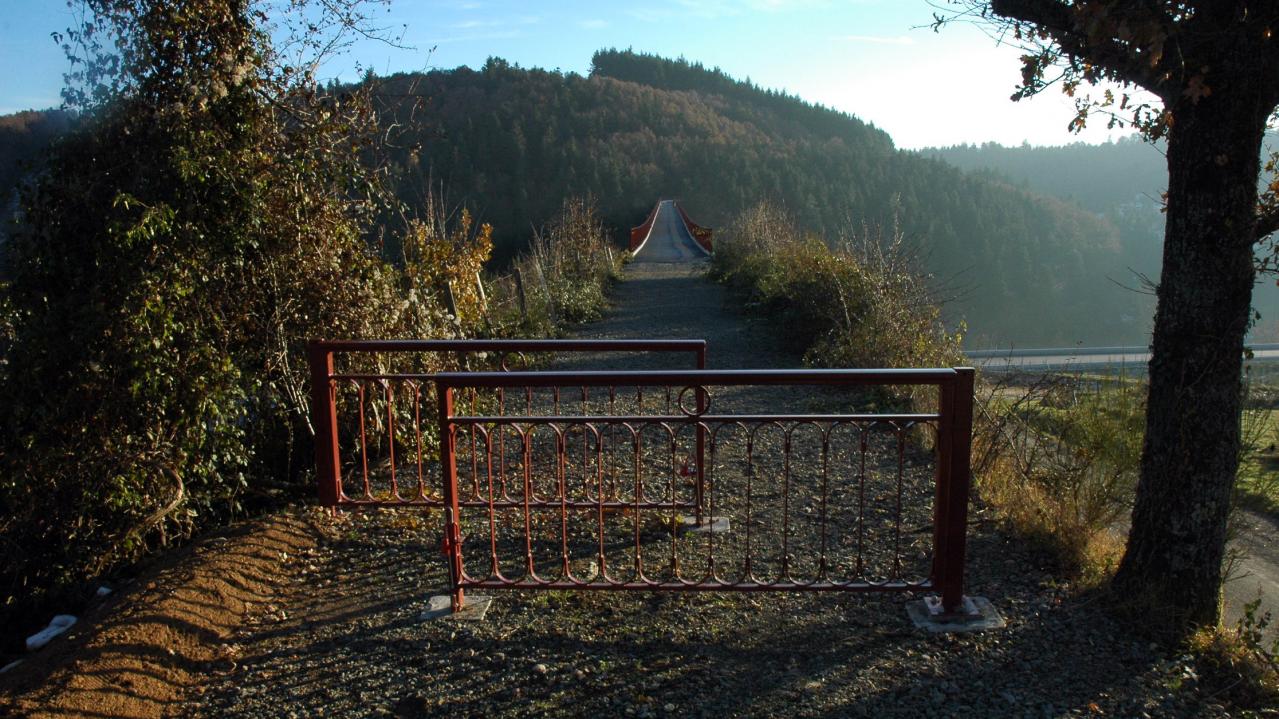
[[1098, 178], [511, 142], [1120, 181], [23, 135], [23, 138]]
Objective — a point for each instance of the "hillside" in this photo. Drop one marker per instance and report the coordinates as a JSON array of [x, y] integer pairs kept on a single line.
[[510, 142], [23, 137], [1120, 181]]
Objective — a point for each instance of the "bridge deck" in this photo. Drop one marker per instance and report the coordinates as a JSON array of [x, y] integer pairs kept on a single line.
[[669, 241]]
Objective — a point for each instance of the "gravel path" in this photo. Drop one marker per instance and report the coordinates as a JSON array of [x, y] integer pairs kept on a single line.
[[349, 640]]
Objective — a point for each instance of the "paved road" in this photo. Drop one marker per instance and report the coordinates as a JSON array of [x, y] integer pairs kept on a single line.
[[1257, 537], [1080, 358], [669, 240]]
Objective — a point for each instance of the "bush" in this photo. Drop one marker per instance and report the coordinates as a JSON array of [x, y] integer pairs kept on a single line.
[[565, 275], [1058, 460], [208, 216], [857, 302]]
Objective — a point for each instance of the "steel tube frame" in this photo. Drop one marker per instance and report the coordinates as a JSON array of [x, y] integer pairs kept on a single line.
[[954, 425], [323, 396]]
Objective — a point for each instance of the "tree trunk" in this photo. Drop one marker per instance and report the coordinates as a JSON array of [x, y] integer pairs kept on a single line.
[[1172, 565]]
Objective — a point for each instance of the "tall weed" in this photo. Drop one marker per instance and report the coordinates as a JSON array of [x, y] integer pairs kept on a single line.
[[1058, 458], [564, 276]]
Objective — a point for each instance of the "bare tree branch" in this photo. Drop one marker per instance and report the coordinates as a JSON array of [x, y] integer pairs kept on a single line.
[[1267, 224]]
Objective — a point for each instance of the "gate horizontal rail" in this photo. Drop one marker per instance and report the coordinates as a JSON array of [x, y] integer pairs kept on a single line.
[[824, 501], [371, 423]]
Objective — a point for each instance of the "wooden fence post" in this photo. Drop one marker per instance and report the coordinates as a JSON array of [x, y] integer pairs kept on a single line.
[[546, 288], [450, 303], [479, 287], [519, 292]]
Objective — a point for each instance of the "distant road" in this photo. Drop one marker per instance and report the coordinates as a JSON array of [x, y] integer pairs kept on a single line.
[[1080, 357], [669, 241]]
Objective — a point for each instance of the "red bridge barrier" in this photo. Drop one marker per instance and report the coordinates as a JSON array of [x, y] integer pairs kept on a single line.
[[640, 234], [702, 235], [375, 442]]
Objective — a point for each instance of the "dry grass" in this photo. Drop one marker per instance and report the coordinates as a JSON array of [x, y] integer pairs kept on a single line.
[[1236, 665], [1057, 459], [1084, 552], [563, 278]]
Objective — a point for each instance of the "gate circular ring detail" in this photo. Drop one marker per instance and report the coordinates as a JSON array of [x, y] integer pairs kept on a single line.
[[694, 412]]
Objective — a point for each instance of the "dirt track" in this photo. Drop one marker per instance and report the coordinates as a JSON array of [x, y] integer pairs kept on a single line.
[[302, 616]]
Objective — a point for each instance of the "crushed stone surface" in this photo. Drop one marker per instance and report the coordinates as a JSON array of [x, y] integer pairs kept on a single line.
[[305, 615]]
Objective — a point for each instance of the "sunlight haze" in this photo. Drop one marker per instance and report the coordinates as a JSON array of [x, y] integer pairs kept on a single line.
[[877, 59]]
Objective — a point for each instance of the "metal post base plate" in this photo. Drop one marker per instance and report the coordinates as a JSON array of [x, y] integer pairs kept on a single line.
[[441, 605], [977, 614], [708, 525]]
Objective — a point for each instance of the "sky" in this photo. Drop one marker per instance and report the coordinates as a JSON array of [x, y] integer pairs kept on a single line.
[[876, 59]]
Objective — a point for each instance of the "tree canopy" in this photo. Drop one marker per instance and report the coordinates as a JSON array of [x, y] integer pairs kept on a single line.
[[207, 215]]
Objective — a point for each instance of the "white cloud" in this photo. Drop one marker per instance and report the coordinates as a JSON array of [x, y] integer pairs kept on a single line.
[[878, 39], [592, 24], [503, 22], [712, 9]]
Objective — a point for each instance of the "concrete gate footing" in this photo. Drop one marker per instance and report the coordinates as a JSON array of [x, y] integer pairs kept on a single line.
[[708, 525], [977, 615], [473, 609]]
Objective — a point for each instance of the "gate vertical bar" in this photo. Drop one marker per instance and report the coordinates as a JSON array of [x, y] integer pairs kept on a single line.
[[701, 440], [941, 483], [954, 480], [324, 412], [448, 468]]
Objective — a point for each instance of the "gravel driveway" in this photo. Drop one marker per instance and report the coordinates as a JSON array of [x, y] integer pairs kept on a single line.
[[348, 638]]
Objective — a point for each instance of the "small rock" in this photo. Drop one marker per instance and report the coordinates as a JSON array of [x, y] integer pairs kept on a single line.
[[669, 708], [540, 668]]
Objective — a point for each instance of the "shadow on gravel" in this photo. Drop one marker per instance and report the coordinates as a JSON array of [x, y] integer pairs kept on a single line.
[[687, 655]]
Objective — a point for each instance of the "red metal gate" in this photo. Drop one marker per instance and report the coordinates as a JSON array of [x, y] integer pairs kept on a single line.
[[825, 500], [371, 407]]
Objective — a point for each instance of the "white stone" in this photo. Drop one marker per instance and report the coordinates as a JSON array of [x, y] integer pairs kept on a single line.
[[57, 625]]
